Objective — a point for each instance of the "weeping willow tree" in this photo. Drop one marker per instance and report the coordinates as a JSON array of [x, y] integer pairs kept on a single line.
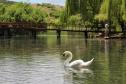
[[86, 8], [104, 11], [92, 8], [123, 10], [72, 7], [83, 9], [2, 9], [113, 11]]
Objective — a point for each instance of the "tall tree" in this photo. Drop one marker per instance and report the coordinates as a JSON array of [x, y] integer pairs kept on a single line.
[[72, 7], [83, 8], [111, 10], [86, 8], [104, 12], [123, 10]]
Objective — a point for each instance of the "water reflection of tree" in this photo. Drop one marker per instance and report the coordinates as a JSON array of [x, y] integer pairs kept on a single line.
[[22, 46], [101, 66], [110, 60], [124, 62], [110, 65], [76, 46], [118, 62]]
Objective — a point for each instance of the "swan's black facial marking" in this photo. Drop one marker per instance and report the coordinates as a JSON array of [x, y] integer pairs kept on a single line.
[[63, 54]]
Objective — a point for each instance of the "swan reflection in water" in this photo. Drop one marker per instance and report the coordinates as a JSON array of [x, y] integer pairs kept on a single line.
[[77, 75]]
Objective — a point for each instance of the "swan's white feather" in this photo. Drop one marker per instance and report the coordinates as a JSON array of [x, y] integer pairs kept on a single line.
[[76, 63], [80, 63], [85, 64]]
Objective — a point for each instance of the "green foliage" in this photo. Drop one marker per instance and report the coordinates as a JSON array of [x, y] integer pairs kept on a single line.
[[75, 20], [87, 24], [2, 8], [86, 8], [83, 9], [101, 17], [63, 17], [23, 12], [20, 12], [52, 12], [112, 11], [124, 17], [103, 13], [123, 10], [37, 16]]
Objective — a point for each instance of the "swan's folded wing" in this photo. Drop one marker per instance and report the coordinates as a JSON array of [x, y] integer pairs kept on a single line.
[[76, 63]]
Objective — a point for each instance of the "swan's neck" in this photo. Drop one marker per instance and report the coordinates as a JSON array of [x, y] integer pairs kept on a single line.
[[67, 61]]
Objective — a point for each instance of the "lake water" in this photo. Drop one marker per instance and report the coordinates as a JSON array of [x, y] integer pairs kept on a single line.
[[39, 61]]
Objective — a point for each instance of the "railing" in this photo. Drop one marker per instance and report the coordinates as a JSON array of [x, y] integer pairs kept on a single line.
[[73, 28], [80, 29], [23, 25], [44, 26]]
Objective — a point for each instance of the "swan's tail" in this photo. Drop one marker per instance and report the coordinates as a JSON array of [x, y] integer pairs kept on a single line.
[[86, 64], [92, 59]]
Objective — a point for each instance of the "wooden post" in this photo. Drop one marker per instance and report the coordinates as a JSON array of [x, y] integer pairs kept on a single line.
[[86, 34], [33, 32], [2, 33], [8, 33], [58, 33]]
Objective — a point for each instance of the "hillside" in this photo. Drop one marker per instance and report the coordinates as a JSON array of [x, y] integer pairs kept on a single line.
[[53, 12], [6, 2], [15, 11]]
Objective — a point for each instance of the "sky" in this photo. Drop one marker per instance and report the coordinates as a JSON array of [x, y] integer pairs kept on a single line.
[[57, 2]]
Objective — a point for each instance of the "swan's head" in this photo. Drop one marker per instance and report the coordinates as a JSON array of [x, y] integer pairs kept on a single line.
[[67, 53]]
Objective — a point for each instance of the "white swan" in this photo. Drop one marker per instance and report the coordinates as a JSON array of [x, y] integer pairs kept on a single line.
[[76, 63]]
